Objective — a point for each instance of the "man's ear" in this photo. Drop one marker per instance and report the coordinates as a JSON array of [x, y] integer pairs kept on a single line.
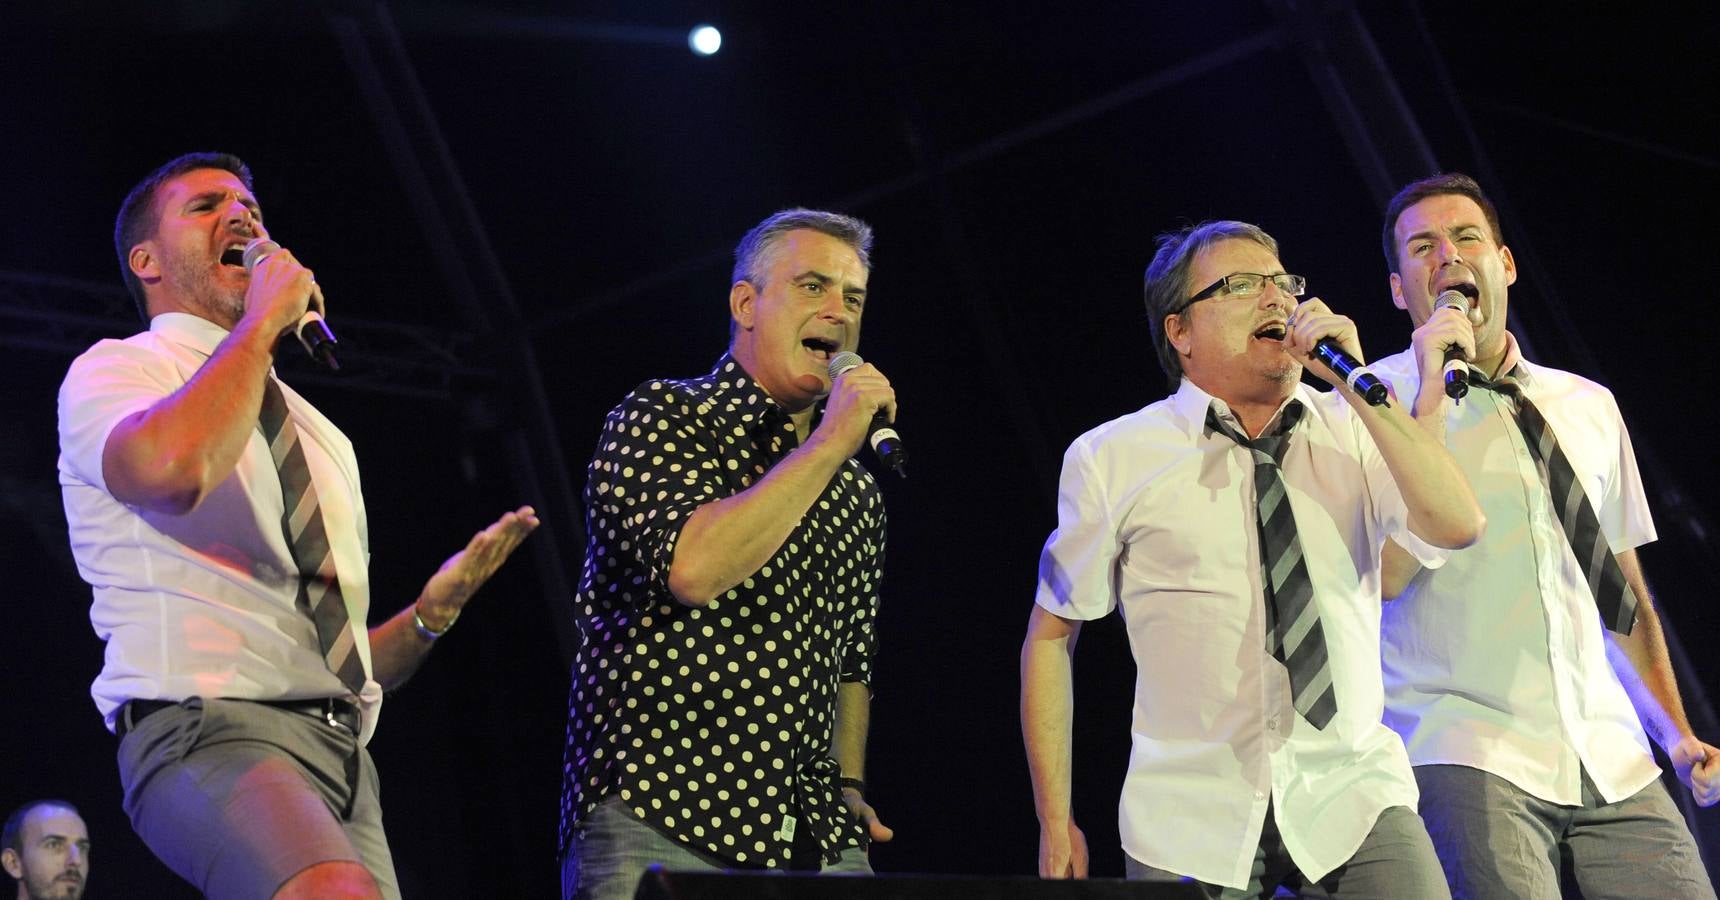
[[1510, 265], [743, 304], [1177, 333], [14, 867], [142, 262], [1397, 292]]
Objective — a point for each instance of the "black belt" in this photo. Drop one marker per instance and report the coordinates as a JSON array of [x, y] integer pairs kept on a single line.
[[335, 711]]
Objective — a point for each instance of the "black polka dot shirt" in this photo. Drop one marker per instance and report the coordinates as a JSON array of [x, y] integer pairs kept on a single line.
[[714, 724]]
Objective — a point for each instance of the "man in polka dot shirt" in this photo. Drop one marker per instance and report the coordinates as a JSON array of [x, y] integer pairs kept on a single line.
[[726, 610]]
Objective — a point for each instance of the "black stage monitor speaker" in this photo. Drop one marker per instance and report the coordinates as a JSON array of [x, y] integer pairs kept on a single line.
[[661, 885]]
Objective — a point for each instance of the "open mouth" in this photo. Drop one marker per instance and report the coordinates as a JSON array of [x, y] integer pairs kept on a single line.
[[1469, 292], [234, 256], [1271, 331], [820, 347], [1462, 287]]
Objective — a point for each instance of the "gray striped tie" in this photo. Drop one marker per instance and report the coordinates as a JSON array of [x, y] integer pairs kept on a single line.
[[307, 536], [1613, 596], [1294, 635]]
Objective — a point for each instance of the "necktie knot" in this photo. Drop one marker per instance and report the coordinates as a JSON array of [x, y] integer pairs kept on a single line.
[[1268, 447], [1506, 384]]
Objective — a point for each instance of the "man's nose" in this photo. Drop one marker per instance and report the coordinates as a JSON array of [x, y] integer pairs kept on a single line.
[[240, 215], [1449, 252], [836, 309]]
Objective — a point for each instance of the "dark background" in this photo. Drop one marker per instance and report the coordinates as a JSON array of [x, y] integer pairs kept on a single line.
[[1016, 159]]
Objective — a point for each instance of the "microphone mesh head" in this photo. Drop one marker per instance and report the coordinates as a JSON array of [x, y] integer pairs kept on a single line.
[[1453, 299], [842, 362], [1459, 301], [256, 250]]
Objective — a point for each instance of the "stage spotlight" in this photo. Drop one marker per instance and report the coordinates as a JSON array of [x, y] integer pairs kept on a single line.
[[705, 40]]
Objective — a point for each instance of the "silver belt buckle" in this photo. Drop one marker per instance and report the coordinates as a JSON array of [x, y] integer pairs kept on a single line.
[[329, 716]]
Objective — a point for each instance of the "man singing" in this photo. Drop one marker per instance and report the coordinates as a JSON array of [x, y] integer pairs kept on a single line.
[[218, 518], [1521, 673], [1237, 524], [726, 612]]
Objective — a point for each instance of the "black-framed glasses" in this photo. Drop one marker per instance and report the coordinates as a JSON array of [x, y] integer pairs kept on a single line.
[[1249, 284]]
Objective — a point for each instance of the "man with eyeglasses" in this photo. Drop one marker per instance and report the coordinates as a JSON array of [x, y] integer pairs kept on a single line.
[[1521, 674], [1237, 525]]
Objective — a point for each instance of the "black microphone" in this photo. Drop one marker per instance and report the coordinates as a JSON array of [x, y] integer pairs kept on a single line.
[[313, 332], [1456, 366], [883, 438], [1354, 373]]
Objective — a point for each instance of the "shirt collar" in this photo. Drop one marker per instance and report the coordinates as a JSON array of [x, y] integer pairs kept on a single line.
[[188, 330], [1191, 404], [1514, 360], [735, 388]]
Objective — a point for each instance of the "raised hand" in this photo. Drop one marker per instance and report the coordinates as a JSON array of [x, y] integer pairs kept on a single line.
[[447, 591]]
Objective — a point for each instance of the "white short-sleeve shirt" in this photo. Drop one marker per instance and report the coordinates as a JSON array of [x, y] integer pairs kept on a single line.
[[203, 604], [1498, 660], [1156, 517]]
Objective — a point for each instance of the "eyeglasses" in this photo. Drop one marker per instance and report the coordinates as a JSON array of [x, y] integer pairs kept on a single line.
[[1249, 284]]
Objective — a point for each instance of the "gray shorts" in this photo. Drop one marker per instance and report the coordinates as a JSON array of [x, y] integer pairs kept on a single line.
[[237, 797]]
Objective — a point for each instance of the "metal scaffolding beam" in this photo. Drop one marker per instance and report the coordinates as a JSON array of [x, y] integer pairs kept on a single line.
[[62, 317]]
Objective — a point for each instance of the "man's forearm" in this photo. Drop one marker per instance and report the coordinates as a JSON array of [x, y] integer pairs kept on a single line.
[[169, 457], [1429, 410], [853, 721], [1652, 686], [397, 649], [726, 540], [1397, 569], [1047, 714], [1442, 507]]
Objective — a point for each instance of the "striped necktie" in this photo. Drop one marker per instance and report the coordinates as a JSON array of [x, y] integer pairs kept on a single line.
[[307, 536], [1613, 596], [1294, 635]]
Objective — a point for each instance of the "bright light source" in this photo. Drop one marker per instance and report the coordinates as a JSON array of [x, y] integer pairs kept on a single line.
[[705, 40]]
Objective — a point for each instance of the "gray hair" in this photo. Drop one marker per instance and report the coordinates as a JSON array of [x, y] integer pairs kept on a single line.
[[754, 253], [1166, 282]]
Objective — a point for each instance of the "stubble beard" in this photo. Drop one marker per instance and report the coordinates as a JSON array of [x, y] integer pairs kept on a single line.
[[56, 889], [193, 279], [1288, 371]]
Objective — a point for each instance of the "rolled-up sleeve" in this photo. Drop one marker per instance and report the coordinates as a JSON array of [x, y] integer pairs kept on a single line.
[[651, 471]]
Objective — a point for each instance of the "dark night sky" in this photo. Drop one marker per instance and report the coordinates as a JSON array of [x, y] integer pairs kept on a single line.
[[1016, 160]]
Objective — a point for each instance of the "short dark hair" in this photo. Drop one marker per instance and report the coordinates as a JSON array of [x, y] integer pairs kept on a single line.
[[12, 837], [1166, 282], [138, 214], [1435, 186]]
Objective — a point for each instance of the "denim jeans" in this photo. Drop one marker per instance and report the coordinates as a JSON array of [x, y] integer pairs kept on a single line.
[[612, 851]]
